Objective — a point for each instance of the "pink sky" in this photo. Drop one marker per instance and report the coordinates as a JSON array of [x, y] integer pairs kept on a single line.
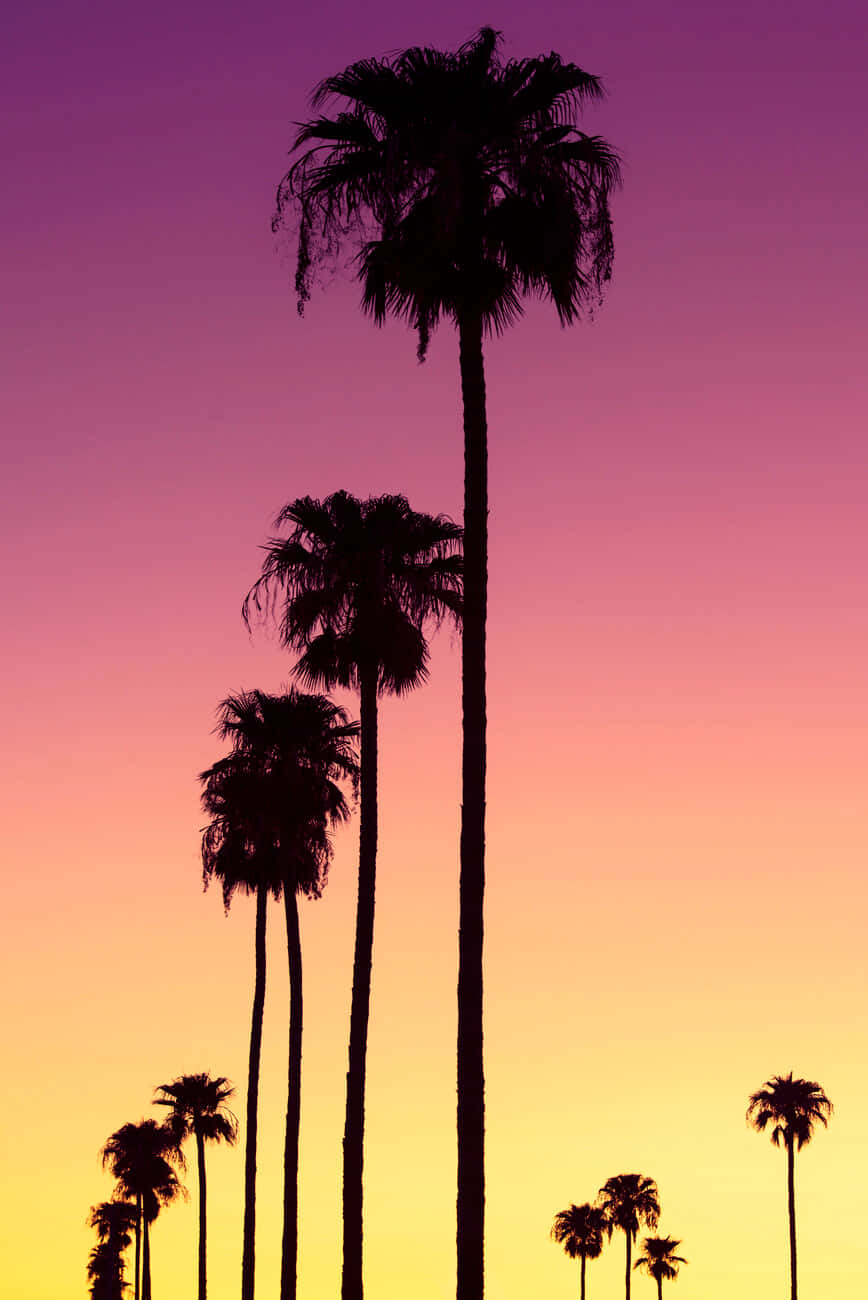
[[678, 640]]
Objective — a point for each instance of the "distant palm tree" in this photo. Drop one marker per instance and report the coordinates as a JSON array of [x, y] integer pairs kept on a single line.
[[113, 1221], [628, 1201], [580, 1231], [138, 1156], [282, 781], [658, 1260], [198, 1109], [465, 185], [359, 580], [792, 1107]]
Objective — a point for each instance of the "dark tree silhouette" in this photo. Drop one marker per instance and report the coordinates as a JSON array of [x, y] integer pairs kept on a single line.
[[658, 1260], [628, 1201], [113, 1221], [359, 581], [137, 1156], [791, 1107], [198, 1109], [580, 1231], [289, 753], [467, 186]]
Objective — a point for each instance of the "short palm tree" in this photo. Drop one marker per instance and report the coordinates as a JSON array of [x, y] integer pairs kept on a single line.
[[579, 1230], [138, 1156], [198, 1109], [791, 1107], [658, 1260], [628, 1201], [114, 1221], [276, 796], [465, 186], [359, 582]]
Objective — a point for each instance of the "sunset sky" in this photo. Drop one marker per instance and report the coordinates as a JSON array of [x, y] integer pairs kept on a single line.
[[678, 650]]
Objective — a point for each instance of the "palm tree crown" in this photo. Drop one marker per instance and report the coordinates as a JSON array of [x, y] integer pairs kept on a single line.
[[465, 181], [580, 1230], [629, 1200], [198, 1105], [791, 1106], [138, 1156], [658, 1259]]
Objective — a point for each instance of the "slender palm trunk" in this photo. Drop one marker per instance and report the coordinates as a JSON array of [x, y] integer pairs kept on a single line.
[[138, 1278], [471, 1078], [660, 1288], [791, 1207], [582, 1282], [203, 1216], [289, 1256], [146, 1260], [248, 1256], [629, 1259], [352, 1287]]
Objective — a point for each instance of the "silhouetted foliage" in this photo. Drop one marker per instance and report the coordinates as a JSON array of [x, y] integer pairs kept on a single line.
[[580, 1230], [658, 1260], [628, 1201], [791, 1108], [464, 185], [114, 1221], [198, 1109], [273, 800], [359, 582], [137, 1156]]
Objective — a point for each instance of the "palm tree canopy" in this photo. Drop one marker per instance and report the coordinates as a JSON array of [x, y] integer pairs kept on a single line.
[[360, 579], [791, 1106], [113, 1220], [629, 1200], [198, 1106], [464, 180], [138, 1155], [271, 799], [579, 1230], [658, 1258]]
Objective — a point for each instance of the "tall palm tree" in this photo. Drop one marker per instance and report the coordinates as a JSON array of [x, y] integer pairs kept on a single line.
[[137, 1156], [466, 185], [289, 754], [113, 1221], [359, 581], [658, 1260], [579, 1230], [198, 1109], [792, 1107], [628, 1201]]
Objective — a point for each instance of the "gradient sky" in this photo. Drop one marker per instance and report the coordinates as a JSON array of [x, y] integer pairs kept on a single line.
[[678, 639]]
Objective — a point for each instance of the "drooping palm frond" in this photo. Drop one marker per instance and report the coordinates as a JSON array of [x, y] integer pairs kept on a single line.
[[629, 1200], [580, 1230], [197, 1103], [658, 1258], [792, 1107]]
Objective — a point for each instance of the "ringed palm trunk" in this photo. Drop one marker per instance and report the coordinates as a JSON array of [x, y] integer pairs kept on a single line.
[[248, 1256], [352, 1285], [471, 1080], [289, 1255], [203, 1216], [791, 1207]]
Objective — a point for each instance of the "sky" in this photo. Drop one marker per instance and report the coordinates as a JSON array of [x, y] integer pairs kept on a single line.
[[677, 645]]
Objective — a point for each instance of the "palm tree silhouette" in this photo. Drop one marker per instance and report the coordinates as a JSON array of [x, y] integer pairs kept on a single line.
[[628, 1201], [198, 1109], [113, 1221], [658, 1260], [289, 753], [137, 1156], [580, 1231], [360, 581], [468, 187], [792, 1107]]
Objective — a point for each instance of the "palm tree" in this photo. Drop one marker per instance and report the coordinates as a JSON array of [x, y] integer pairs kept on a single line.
[[137, 1156], [289, 753], [360, 580], [628, 1201], [659, 1260], [467, 186], [198, 1109], [580, 1231], [792, 1107], [113, 1221]]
